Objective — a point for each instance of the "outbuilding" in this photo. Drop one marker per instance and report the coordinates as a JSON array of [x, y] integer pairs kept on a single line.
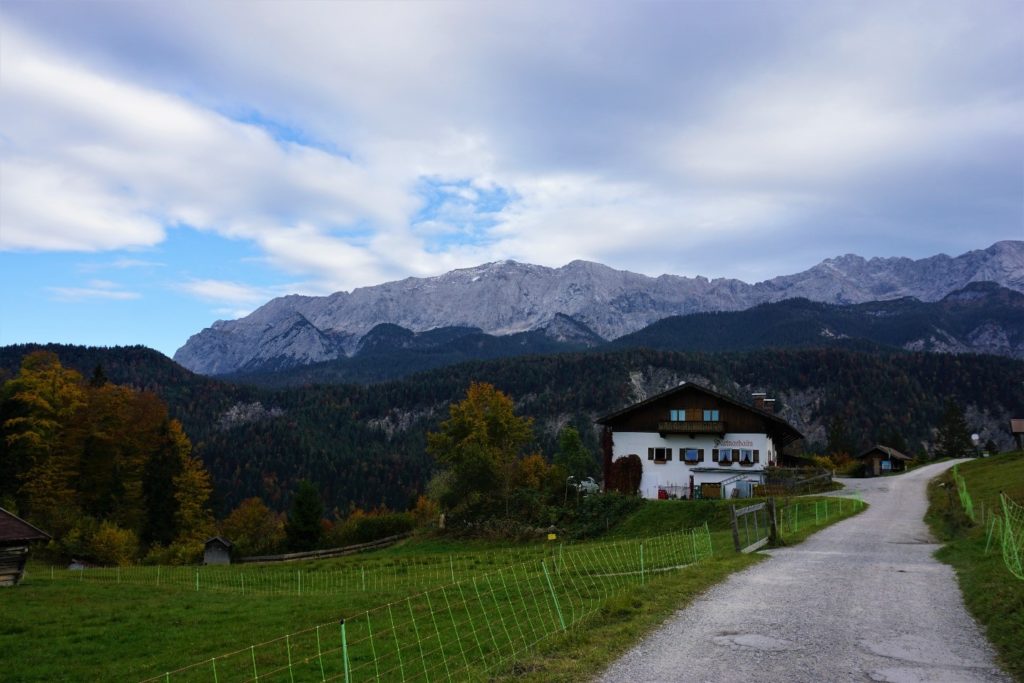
[[15, 536], [880, 460], [1017, 429], [217, 550]]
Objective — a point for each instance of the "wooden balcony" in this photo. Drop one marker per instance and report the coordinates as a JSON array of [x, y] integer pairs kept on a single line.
[[691, 427]]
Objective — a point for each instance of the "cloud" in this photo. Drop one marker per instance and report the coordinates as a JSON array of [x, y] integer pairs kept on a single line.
[[96, 289], [353, 144], [228, 292]]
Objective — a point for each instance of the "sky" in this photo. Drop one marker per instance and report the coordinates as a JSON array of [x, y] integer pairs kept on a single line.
[[167, 164]]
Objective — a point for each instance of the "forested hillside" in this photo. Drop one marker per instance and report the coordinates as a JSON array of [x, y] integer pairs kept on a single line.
[[366, 444]]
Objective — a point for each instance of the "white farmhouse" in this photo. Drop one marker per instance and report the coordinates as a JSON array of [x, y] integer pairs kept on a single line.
[[694, 442]]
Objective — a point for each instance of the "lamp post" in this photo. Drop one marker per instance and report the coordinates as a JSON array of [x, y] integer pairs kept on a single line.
[[976, 439]]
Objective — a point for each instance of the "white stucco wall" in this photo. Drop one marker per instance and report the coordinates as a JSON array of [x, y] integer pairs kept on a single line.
[[677, 473]]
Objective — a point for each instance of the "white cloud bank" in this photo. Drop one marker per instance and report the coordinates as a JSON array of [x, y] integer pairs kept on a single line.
[[650, 137]]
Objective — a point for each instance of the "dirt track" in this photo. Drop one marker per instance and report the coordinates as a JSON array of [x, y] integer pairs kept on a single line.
[[863, 600]]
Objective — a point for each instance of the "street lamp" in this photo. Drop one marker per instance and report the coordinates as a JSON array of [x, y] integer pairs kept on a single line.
[[976, 439]]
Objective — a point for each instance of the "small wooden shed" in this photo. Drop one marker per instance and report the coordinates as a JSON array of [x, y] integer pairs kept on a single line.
[[15, 535], [1017, 429], [217, 550], [883, 459]]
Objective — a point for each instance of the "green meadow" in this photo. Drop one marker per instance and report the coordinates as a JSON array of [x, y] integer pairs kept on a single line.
[[429, 609]]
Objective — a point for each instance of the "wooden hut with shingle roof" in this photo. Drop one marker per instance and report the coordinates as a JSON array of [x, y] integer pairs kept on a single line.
[[15, 535], [883, 459]]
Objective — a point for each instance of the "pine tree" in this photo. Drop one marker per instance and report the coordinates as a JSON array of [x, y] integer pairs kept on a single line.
[[303, 529], [163, 465], [953, 439], [839, 440]]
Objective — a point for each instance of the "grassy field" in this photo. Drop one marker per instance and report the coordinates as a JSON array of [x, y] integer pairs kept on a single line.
[[431, 608], [993, 595]]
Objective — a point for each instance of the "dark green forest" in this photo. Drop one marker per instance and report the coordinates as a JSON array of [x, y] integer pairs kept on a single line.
[[366, 445]]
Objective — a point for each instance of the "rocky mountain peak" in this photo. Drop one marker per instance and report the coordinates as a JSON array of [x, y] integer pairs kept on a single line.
[[574, 301]]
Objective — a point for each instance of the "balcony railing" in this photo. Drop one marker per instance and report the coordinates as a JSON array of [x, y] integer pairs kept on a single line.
[[690, 427]]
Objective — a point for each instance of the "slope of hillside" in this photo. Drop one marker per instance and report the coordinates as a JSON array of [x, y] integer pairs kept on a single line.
[[366, 444]]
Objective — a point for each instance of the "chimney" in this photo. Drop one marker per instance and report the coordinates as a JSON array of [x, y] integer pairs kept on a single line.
[[769, 405], [758, 397]]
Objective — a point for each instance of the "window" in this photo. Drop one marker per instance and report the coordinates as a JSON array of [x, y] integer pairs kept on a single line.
[[711, 416], [659, 454], [677, 415], [724, 456], [692, 454], [748, 456]]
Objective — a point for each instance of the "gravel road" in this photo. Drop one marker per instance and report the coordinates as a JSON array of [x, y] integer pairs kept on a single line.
[[863, 600]]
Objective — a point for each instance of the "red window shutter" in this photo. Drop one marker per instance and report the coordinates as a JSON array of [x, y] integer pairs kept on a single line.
[[757, 455], [714, 455], [700, 455]]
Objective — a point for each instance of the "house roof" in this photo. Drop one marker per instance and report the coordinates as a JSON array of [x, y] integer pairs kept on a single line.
[[887, 451], [786, 432], [1017, 425], [14, 529], [219, 539]]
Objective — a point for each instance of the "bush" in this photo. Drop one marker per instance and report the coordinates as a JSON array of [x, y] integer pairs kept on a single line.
[[362, 527], [625, 475], [113, 545], [178, 553]]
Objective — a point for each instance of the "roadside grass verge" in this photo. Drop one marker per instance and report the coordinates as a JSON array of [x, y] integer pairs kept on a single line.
[[78, 629], [992, 594], [619, 624]]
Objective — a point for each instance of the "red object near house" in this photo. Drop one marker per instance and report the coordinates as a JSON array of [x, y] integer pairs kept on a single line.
[[662, 494]]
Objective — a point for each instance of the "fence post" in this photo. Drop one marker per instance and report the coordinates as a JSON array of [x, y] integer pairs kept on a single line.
[[773, 521], [641, 563], [344, 648], [554, 597], [735, 530]]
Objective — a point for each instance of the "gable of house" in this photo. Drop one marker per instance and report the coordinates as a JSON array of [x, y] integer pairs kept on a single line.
[[692, 409]]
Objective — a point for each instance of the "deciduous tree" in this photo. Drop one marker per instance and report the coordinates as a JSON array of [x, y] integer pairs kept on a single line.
[[254, 528], [577, 460], [480, 443]]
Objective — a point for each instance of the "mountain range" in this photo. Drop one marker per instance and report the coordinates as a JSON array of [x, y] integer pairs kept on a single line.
[[538, 309]]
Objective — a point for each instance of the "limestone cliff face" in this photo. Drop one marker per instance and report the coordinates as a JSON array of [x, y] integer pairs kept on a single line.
[[581, 300]]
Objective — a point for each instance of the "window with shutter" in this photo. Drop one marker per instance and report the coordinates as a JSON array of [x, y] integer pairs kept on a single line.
[[700, 455]]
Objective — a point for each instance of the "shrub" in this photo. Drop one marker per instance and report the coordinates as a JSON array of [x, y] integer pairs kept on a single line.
[[625, 475], [113, 545], [362, 527]]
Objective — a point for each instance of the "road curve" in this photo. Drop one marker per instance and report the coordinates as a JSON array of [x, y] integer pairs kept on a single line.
[[862, 600]]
